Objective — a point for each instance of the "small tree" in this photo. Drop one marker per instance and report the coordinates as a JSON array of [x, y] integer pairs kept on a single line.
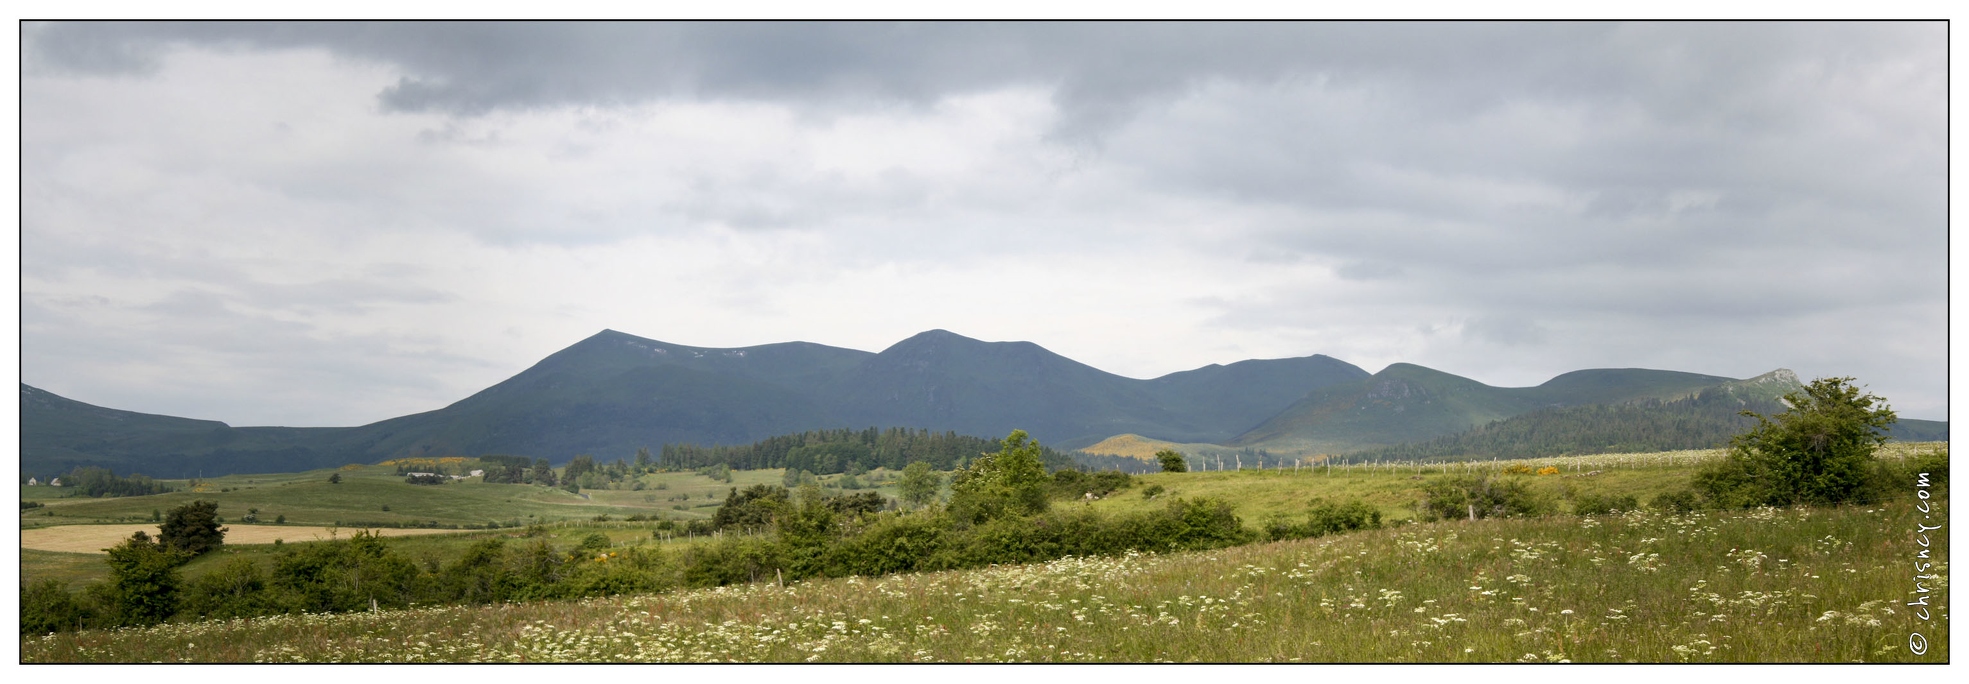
[[1010, 482], [1171, 461], [335, 478], [1819, 451], [192, 528], [143, 582], [543, 473], [919, 484]]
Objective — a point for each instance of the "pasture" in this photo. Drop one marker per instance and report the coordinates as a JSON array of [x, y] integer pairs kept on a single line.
[[1764, 585], [309, 499]]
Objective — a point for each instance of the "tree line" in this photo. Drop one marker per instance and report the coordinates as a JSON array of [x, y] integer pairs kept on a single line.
[[826, 452]]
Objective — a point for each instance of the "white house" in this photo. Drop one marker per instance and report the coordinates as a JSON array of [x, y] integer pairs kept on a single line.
[[31, 482]]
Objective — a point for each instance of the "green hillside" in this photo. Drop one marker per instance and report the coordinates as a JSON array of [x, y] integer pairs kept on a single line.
[[1705, 421], [613, 393], [1408, 403]]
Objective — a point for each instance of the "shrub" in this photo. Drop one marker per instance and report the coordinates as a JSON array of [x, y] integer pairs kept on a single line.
[[1152, 491], [1819, 451], [1011, 482], [1171, 461], [1890, 480], [1073, 484], [236, 590], [143, 582], [1326, 518], [47, 606], [1481, 497]]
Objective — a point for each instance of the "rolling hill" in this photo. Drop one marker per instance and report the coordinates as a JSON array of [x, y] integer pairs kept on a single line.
[[1408, 403], [611, 393]]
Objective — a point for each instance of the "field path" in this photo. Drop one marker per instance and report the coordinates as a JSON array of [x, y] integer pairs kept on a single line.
[[96, 538]]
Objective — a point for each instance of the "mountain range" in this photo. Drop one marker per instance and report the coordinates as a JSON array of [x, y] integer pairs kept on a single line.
[[612, 393]]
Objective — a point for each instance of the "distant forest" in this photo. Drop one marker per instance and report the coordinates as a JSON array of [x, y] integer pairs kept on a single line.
[[1705, 421], [824, 452]]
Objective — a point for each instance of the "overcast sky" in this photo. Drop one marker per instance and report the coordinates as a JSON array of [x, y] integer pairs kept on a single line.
[[333, 224]]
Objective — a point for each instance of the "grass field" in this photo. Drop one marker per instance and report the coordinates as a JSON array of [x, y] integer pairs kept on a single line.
[[1802, 585], [1805, 585], [308, 499]]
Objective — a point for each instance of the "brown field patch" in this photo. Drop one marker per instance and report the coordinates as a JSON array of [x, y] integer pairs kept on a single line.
[[96, 538]]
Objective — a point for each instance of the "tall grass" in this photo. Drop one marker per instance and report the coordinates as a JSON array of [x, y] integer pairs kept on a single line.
[[1765, 585]]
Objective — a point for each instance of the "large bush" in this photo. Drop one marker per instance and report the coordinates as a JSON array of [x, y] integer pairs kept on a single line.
[[1011, 482], [1819, 451], [47, 606], [143, 584]]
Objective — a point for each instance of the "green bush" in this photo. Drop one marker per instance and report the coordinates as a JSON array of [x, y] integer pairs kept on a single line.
[[1073, 484], [1152, 491], [1818, 452], [1324, 519], [237, 589], [1010, 483], [47, 606], [1481, 496], [1897, 479], [143, 584], [1171, 461]]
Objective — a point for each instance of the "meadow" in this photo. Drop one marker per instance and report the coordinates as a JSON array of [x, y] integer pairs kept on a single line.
[[1761, 585], [65, 538]]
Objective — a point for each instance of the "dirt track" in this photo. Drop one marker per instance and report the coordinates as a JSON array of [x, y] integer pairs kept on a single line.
[[96, 538]]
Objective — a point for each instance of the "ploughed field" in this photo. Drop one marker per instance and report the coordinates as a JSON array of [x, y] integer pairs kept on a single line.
[[1759, 585]]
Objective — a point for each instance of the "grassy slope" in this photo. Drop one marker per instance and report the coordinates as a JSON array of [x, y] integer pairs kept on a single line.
[[307, 499], [1406, 403], [1769, 586]]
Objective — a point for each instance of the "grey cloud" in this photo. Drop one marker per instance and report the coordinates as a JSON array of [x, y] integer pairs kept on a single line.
[[1103, 72], [1664, 194]]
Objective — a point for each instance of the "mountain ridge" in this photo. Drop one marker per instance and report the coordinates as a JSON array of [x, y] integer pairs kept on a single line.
[[612, 392]]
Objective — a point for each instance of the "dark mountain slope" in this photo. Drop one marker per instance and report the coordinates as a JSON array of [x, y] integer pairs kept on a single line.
[[60, 434], [612, 393], [615, 392], [1243, 394], [1408, 403]]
